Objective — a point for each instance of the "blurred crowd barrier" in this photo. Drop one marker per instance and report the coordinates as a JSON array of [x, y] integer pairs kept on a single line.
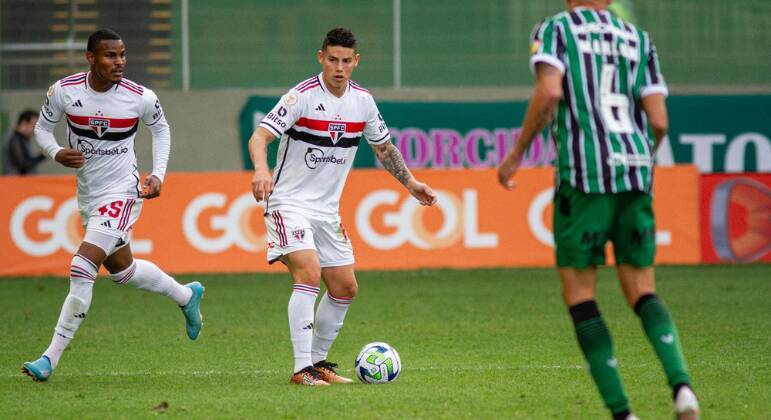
[[719, 134], [716, 133], [209, 222]]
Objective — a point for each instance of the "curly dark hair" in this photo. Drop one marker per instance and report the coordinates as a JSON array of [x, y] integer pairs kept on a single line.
[[99, 36], [342, 37]]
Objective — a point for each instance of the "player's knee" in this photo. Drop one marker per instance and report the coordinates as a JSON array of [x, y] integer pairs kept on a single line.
[[348, 291], [308, 275], [314, 275], [575, 294]]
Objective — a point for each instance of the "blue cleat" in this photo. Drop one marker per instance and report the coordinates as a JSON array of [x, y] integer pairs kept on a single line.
[[39, 370], [192, 311]]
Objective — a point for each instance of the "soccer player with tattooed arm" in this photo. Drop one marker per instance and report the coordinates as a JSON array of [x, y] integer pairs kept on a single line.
[[599, 85], [320, 122], [103, 110]]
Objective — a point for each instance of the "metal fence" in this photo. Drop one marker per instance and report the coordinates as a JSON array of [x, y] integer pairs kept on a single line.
[[202, 44], [44, 40]]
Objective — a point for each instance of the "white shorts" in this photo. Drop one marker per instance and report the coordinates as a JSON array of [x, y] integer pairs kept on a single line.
[[290, 231], [110, 222]]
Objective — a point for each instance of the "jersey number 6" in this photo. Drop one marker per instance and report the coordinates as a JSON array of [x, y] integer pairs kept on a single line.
[[619, 121]]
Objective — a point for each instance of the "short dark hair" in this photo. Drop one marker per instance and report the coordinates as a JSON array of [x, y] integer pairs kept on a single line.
[[341, 37], [99, 36], [26, 116]]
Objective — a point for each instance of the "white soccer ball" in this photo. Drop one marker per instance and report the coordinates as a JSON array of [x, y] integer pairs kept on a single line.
[[378, 363]]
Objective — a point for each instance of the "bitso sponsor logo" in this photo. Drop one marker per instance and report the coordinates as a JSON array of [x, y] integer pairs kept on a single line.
[[278, 117], [215, 232], [404, 221]]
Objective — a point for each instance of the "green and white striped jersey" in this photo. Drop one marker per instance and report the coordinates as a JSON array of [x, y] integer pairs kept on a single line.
[[604, 140]]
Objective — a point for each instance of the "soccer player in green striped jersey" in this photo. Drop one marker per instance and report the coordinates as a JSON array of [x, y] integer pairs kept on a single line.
[[599, 84]]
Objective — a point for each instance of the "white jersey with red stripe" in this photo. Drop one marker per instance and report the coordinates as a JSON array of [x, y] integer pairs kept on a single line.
[[320, 134], [103, 126]]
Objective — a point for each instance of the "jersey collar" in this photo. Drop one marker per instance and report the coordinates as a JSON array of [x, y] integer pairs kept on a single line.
[[324, 87], [579, 8], [94, 91]]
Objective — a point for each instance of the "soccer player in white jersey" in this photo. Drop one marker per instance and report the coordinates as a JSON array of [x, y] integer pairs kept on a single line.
[[320, 122], [103, 110]]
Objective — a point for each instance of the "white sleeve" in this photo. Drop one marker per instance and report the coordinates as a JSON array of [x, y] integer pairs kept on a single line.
[[375, 129], [546, 46], [50, 114], [155, 120], [654, 80], [284, 115]]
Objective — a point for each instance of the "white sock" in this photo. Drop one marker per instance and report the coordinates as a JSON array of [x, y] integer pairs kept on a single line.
[[82, 275], [145, 275], [300, 310], [329, 320]]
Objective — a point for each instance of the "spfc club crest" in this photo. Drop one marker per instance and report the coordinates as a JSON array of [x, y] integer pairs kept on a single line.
[[336, 130], [99, 125], [298, 234]]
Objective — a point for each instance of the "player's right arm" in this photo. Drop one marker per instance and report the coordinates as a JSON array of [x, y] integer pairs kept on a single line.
[[279, 119], [262, 181], [50, 114], [540, 110], [546, 62]]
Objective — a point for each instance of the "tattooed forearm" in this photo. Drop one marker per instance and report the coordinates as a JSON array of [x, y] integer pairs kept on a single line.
[[543, 118], [540, 111], [392, 161]]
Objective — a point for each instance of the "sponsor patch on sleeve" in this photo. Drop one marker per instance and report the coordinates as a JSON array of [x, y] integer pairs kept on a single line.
[[534, 47], [51, 90], [290, 98]]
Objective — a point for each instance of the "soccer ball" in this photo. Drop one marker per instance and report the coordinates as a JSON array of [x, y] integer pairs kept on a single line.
[[378, 363]]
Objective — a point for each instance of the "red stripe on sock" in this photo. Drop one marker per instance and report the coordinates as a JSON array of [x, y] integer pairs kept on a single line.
[[342, 301]]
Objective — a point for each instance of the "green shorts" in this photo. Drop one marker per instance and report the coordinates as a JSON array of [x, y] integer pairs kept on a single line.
[[583, 223]]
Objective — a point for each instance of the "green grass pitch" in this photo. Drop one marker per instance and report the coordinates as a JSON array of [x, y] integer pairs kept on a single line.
[[474, 344]]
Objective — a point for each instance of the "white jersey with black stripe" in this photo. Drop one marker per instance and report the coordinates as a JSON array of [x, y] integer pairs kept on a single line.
[[103, 126], [320, 134]]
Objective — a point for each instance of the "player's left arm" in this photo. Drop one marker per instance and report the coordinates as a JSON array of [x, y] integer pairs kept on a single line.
[[655, 108], [653, 93], [393, 162], [155, 120], [377, 134], [548, 92]]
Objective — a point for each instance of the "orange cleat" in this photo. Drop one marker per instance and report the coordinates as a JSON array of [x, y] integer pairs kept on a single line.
[[308, 377], [326, 371]]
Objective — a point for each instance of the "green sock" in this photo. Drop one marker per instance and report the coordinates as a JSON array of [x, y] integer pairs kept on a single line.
[[661, 332], [594, 338]]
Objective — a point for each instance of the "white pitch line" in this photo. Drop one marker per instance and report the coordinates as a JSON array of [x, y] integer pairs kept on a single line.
[[241, 372]]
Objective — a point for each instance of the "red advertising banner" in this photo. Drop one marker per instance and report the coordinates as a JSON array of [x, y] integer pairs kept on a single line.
[[209, 222], [736, 217]]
